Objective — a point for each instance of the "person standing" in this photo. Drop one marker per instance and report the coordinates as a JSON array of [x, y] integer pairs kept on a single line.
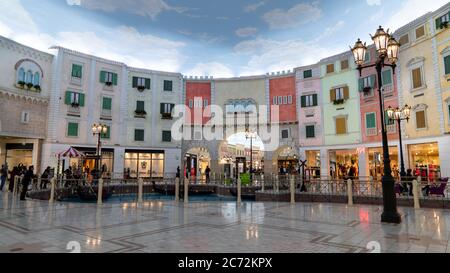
[[45, 178], [26, 182], [3, 176], [207, 171]]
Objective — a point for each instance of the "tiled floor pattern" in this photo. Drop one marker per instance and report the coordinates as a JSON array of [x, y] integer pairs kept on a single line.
[[36, 226]]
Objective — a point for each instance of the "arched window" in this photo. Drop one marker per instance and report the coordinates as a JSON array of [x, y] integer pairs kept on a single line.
[[21, 76], [29, 77], [37, 78]]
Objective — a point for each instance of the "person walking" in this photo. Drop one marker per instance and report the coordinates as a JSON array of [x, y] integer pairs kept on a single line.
[[26, 182], [3, 176]]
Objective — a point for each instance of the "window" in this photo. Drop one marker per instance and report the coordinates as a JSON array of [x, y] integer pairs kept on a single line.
[[108, 133], [448, 108], [74, 99], [168, 85], [107, 103], [344, 64], [386, 77], [21, 76], [420, 120], [307, 74], [447, 65], [166, 110], [29, 78], [284, 99], [420, 32], [25, 117], [367, 57], [167, 136], [274, 101], [141, 83], [367, 82], [36, 79], [310, 131], [205, 103], [442, 21], [371, 121], [191, 103], [140, 106], [289, 99], [77, 71], [417, 78], [309, 100], [108, 78], [338, 94], [285, 134], [72, 129], [404, 39], [138, 135], [341, 126], [280, 100], [330, 68]]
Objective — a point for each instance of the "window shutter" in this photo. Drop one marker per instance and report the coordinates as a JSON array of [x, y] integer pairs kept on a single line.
[[274, 102], [102, 76], [107, 103], [332, 95], [438, 23], [147, 83], [315, 100], [361, 85], [108, 133], [340, 126], [140, 105], [387, 77], [373, 79], [81, 100], [114, 79], [447, 65], [72, 129], [171, 107], [303, 101], [417, 78], [135, 82], [68, 98], [162, 108], [420, 119], [310, 132], [166, 136], [346, 93], [370, 120]]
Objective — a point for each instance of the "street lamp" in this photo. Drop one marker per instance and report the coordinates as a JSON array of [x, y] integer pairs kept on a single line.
[[399, 115], [251, 136], [387, 48], [98, 130]]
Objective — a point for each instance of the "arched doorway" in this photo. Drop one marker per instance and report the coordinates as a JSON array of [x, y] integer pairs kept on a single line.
[[197, 160], [285, 160]]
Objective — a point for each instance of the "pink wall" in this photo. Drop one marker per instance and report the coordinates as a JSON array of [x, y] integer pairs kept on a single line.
[[198, 90], [371, 104], [284, 86], [308, 87]]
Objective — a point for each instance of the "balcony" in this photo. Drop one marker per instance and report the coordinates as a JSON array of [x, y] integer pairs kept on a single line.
[[140, 114], [339, 101], [371, 132], [166, 116], [74, 110], [391, 129], [388, 89], [106, 114]]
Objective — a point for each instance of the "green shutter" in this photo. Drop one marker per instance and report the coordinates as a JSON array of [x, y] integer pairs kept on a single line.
[[108, 133], [147, 83], [140, 106], [167, 85], [107, 103], [114, 79], [76, 71], [162, 108], [102, 76], [139, 135], [166, 136], [135, 82], [387, 77], [72, 129], [81, 101], [303, 101], [438, 23], [307, 74], [370, 120], [361, 85], [315, 100], [68, 98], [447, 65], [373, 79], [310, 132]]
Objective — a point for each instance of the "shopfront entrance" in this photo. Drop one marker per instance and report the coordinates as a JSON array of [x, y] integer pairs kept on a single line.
[[376, 164], [87, 164], [19, 153], [343, 163], [313, 164], [144, 163], [424, 160]]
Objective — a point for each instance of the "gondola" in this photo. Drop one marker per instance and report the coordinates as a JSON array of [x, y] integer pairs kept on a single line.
[[244, 196], [87, 193], [170, 190]]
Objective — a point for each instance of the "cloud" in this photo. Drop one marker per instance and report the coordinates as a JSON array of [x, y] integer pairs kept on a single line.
[[246, 31], [374, 2], [215, 69], [150, 8], [297, 15], [254, 7], [410, 10]]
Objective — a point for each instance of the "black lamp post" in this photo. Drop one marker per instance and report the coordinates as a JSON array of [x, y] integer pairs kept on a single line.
[[251, 136], [399, 115], [387, 48], [98, 130]]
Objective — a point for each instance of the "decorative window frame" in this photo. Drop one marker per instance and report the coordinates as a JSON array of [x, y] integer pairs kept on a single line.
[[424, 34], [445, 53], [365, 122], [315, 129], [418, 108], [414, 63], [67, 128], [447, 102]]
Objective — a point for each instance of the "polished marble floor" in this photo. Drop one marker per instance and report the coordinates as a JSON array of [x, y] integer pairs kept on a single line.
[[36, 226]]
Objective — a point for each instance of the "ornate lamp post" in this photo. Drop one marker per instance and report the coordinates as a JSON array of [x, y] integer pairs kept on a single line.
[[251, 136], [399, 115], [98, 130], [387, 48]]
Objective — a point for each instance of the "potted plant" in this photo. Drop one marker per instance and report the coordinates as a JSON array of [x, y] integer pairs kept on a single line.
[[37, 87], [141, 88], [21, 84], [339, 101], [29, 85], [75, 104], [167, 115], [108, 83], [367, 91], [140, 113], [444, 25]]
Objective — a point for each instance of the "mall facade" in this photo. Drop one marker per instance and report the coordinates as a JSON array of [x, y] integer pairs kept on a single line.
[[328, 114]]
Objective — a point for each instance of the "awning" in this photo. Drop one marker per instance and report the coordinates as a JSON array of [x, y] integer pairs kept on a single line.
[[71, 152]]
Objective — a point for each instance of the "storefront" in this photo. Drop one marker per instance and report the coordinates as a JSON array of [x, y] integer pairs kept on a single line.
[[313, 163], [424, 160], [191, 165], [87, 164], [19, 153], [144, 163], [343, 163], [376, 163]]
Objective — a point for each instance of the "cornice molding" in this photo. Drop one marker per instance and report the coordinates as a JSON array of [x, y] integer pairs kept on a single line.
[[25, 50]]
